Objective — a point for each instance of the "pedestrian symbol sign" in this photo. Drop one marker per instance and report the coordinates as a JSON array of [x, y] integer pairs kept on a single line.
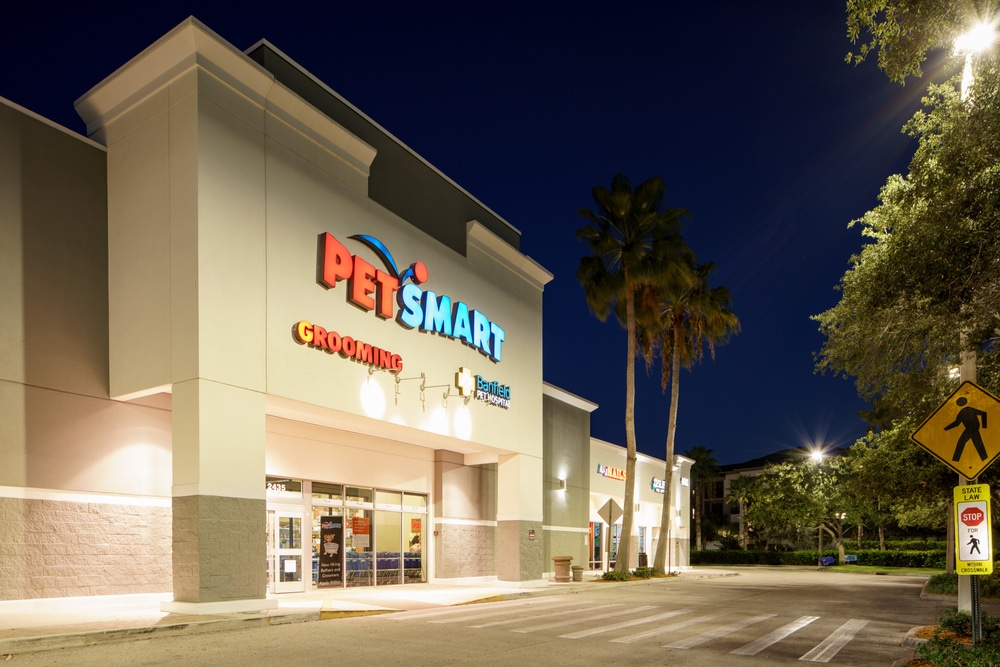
[[959, 432], [974, 551]]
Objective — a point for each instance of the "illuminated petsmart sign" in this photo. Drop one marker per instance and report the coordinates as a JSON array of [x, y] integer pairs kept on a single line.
[[610, 472], [382, 291]]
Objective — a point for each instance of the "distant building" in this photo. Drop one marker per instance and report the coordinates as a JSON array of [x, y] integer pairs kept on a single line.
[[718, 489]]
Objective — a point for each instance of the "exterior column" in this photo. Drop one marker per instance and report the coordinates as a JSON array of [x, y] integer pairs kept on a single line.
[[219, 506], [520, 544]]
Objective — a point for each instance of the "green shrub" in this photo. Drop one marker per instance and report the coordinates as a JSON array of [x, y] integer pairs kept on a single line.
[[945, 583], [615, 575], [953, 620], [989, 585], [951, 653], [947, 653], [730, 543], [918, 559], [643, 572]]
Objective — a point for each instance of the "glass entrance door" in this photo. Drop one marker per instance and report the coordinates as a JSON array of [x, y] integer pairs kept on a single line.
[[284, 551]]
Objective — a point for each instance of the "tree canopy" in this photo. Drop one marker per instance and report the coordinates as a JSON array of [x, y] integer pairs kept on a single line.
[[930, 269], [901, 33]]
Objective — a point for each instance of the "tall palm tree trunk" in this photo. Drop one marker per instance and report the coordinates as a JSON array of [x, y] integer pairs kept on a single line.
[[699, 500], [623, 559], [666, 516]]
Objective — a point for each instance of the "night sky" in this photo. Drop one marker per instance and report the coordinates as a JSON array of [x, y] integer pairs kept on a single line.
[[749, 114]]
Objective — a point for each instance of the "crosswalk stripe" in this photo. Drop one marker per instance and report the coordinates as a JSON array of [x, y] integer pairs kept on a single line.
[[505, 612], [715, 633], [535, 603], [625, 624], [558, 613], [755, 647], [669, 628], [836, 641], [588, 619]]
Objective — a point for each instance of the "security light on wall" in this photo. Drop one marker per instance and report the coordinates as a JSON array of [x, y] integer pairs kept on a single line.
[[562, 484]]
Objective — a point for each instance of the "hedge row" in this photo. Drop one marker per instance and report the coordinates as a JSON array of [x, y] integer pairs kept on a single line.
[[901, 545], [930, 559]]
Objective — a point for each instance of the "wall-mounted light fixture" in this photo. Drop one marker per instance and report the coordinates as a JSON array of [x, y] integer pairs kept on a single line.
[[562, 484], [423, 387], [421, 377]]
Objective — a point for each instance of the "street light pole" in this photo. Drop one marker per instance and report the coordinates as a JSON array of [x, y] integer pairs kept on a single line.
[[977, 39]]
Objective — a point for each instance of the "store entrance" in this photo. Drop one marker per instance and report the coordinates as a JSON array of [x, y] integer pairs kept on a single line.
[[284, 551]]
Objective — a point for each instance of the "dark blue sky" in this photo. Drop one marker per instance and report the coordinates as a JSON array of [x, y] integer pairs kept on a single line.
[[747, 111]]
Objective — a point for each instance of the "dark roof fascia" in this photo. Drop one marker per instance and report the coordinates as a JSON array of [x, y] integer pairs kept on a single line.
[[400, 179]]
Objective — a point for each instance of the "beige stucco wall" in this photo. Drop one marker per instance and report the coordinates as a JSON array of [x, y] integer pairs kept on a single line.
[[649, 501]]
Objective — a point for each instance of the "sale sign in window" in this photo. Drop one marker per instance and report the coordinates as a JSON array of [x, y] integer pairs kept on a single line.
[[972, 530]]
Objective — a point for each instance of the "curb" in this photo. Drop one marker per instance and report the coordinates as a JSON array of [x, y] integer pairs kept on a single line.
[[94, 637]]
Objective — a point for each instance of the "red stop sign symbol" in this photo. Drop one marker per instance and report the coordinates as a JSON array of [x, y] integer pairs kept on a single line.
[[973, 516]]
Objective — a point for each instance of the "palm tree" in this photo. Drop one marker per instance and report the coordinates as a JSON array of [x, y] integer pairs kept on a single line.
[[689, 316], [740, 491], [704, 469], [629, 237]]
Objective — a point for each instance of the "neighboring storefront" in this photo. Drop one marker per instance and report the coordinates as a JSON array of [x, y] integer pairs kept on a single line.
[[607, 498], [244, 325]]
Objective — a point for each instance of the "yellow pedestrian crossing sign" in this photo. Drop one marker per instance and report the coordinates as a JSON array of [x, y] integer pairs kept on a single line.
[[960, 434]]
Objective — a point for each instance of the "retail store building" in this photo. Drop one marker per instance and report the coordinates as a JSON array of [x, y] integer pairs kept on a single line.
[[244, 325]]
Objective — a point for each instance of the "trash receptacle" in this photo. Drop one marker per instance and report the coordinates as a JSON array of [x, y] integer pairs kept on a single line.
[[643, 560]]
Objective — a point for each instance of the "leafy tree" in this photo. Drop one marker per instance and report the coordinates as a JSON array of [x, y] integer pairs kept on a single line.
[[930, 269], [704, 469], [681, 315], [894, 482], [901, 33], [630, 237], [791, 499]]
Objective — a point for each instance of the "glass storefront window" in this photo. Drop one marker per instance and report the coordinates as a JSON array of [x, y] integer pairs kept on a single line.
[[358, 495], [388, 499], [358, 536], [321, 491], [414, 568], [387, 546], [414, 503], [383, 539]]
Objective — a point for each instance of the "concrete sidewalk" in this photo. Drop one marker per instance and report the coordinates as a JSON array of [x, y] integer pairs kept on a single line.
[[45, 624]]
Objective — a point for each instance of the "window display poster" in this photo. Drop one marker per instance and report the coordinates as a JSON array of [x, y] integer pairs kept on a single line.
[[361, 528], [331, 547]]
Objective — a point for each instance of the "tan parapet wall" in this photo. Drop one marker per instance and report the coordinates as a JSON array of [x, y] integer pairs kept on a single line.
[[54, 548]]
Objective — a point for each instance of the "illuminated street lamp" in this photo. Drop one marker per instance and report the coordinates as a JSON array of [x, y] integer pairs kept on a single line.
[[979, 38]]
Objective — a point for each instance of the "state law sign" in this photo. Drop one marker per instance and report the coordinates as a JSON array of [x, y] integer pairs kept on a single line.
[[973, 542]]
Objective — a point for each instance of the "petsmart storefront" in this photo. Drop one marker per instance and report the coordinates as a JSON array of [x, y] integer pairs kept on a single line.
[[296, 343]]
